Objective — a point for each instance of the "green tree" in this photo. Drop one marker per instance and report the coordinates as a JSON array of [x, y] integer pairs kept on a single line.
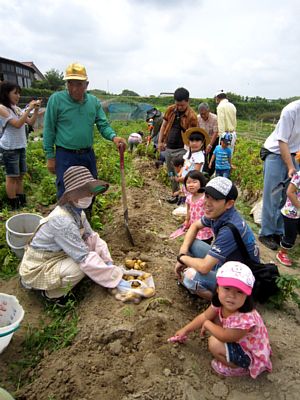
[[127, 92], [54, 80]]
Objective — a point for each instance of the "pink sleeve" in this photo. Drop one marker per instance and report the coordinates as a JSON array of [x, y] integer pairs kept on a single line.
[[95, 243], [105, 275], [188, 199], [241, 321]]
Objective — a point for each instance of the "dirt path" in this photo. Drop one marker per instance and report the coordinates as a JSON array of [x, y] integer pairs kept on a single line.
[[121, 351]]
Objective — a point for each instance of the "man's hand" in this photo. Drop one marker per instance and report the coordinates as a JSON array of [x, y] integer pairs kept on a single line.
[[118, 140], [161, 147], [291, 172], [179, 268], [208, 148], [51, 165]]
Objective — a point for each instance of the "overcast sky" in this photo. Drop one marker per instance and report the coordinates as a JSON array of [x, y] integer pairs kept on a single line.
[[151, 46]]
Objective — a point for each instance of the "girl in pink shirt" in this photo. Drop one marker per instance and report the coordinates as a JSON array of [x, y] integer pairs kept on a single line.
[[239, 341], [194, 183]]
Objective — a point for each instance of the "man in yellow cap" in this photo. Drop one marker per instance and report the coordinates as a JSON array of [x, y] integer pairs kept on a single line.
[[69, 126]]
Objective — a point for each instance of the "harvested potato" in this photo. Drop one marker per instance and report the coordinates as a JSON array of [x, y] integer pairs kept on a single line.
[[149, 292], [128, 277], [135, 284], [129, 263], [144, 276]]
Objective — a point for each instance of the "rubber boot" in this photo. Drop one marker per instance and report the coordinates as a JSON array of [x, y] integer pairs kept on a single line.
[[14, 203], [22, 199]]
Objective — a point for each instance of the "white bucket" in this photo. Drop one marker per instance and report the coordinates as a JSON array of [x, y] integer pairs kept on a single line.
[[19, 229], [11, 315]]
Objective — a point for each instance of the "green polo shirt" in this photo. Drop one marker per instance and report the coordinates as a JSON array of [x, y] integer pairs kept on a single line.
[[70, 124]]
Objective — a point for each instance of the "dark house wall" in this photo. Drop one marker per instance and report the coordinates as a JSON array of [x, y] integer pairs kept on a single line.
[[16, 72]]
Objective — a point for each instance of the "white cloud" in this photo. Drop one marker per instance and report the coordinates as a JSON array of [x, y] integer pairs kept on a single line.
[[151, 46]]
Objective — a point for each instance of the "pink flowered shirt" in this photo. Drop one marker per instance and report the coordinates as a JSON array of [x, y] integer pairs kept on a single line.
[[196, 212], [289, 210], [256, 343]]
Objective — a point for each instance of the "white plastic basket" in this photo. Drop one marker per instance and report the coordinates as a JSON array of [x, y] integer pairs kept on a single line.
[[19, 229], [11, 315]]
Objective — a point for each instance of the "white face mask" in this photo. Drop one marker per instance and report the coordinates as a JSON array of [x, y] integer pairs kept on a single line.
[[85, 202]]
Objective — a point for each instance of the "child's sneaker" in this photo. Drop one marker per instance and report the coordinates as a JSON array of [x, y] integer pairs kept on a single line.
[[283, 258], [224, 370]]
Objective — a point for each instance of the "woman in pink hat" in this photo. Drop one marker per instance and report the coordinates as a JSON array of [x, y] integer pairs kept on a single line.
[[239, 340]]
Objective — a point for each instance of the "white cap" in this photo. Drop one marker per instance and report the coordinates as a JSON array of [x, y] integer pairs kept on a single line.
[[220, 92]]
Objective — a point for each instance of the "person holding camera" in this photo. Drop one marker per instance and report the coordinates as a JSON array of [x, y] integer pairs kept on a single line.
[[13, 140]]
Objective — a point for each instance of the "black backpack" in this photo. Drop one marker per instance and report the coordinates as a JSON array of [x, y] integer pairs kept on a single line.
[[265, 274]]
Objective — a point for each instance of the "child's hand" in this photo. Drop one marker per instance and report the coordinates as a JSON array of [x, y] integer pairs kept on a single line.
[[209, 165], [186, 224], [203, 330], [177, 339]]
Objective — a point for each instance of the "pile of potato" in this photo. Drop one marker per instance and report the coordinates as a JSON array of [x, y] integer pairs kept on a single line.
[[133, 278], [135, 264]]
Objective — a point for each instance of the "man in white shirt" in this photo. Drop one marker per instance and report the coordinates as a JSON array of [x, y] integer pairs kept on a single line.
[[226, 113], [279, 164], [209, 122]]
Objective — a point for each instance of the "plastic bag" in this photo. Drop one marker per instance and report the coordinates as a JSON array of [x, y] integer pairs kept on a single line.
[[180, 211], [134, 286]]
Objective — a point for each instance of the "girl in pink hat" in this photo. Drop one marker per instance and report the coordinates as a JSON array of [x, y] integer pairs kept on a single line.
[[238, 338]]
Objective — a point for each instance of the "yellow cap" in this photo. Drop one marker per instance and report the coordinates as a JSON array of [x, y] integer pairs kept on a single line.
[[75, 71]]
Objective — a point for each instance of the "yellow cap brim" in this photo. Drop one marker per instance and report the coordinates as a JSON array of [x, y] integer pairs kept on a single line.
[[75, 78]]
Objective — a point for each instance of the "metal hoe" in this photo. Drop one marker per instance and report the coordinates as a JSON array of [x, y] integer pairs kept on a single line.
[[124, 197]]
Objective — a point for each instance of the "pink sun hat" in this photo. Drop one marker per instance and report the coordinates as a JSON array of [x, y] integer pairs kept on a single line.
[[236, 274]]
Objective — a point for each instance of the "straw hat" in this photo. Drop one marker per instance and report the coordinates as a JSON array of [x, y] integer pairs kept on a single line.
[[79, 183], [186, 135]]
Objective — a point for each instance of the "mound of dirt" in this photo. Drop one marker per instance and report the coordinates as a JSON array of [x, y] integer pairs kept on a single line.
[[121, 350]]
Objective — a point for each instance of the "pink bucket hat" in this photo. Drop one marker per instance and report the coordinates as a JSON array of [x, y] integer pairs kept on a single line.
[[236, 274]]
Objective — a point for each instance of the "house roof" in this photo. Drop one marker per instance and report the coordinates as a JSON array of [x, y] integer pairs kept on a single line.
[[16, 62], [32, 65]]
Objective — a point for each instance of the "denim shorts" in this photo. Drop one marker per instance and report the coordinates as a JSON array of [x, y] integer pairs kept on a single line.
[[14, 162], [223, 172], [236, 355]]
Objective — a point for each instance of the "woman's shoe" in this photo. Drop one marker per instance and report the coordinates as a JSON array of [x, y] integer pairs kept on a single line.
[[22, 199], [14, 203], [283, 258], [58, 301]]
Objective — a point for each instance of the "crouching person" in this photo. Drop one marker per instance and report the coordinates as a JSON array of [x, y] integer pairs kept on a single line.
[[198, 262], [64, 248]]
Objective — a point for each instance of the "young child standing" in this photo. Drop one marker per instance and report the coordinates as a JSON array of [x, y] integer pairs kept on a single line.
[[197, 139], [178, 166], [291, 219], [222, 154], [194, 183], [239, 342]]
